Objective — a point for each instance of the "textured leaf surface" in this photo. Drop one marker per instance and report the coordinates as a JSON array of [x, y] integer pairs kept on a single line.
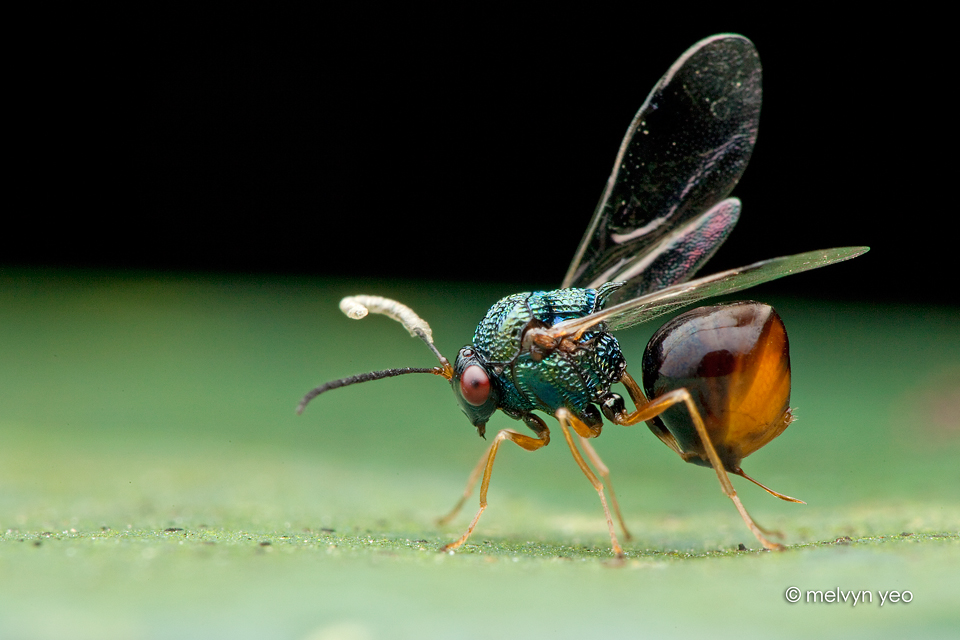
[[155, 482]]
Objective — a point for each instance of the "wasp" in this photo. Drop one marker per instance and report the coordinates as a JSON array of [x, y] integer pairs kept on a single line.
[[715, 380]]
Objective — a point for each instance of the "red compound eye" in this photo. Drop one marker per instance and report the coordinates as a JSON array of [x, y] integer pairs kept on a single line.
[[475, 385]]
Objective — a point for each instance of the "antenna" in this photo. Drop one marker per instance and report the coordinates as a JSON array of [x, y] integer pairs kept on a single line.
[[358, 307]]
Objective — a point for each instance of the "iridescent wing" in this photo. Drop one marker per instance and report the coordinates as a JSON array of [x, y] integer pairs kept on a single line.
[[626, 314], [663, 214]]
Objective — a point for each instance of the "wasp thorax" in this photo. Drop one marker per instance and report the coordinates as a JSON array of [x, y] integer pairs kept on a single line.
[[734, 360]]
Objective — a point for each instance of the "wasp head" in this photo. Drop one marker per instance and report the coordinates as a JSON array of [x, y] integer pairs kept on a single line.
[[474, 387]]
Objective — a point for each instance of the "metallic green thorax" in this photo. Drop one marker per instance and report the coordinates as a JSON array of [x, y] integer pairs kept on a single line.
[[573, 380]]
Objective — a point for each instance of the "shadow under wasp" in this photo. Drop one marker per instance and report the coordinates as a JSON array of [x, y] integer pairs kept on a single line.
[[716, 380]]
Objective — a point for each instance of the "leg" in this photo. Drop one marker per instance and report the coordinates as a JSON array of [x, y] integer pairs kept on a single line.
[[471, 483], [605, 474], [568, 420], [647, 410], [525, 442]]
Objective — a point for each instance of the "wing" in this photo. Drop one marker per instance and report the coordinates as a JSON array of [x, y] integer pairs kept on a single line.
[[626, 314], [663, 213]]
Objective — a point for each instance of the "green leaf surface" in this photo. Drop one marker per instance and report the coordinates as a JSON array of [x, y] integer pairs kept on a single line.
[[156, 483]]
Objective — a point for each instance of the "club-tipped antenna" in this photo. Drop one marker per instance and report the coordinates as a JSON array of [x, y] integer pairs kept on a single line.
[[358, 307]]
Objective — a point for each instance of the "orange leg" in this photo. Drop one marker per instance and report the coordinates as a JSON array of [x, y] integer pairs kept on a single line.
[[647, 410], [525, 442], [471, 483], [605, 474], [568, 420]]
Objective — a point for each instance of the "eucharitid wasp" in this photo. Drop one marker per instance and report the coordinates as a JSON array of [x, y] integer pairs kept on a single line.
[[716, 380]]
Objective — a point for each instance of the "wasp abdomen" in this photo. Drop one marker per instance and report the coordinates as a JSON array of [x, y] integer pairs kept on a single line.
[[734, 360]]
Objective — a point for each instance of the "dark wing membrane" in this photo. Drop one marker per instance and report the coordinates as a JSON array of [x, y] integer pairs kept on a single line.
[[683, 153], [631, 312], [679, 255]]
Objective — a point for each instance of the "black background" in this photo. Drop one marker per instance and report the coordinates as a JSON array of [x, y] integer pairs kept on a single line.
[[466, 146]]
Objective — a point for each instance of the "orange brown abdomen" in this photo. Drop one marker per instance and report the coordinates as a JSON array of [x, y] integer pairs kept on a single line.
[[734, 360]]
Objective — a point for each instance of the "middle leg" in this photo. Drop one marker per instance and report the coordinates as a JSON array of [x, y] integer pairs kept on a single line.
[[605, 474], [568, 420]]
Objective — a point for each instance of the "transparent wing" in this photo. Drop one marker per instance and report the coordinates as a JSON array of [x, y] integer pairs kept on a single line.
[[682, 155], [631, 312], [678, 256]]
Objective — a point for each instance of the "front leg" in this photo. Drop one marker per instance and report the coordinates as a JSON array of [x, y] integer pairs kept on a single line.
[[486, 462]]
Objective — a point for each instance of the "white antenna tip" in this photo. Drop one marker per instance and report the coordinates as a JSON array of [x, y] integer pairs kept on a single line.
[[352, 308]]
